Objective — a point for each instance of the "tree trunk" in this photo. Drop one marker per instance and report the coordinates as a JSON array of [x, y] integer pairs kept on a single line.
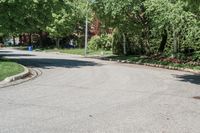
[[163, 42], [20, 39], [30, 39], [175, 45], [124, 44], [1, 39], [41, 39], [147, 46], [178, 43], [14, 42], [58, 42], [24, 39], [146, 40]]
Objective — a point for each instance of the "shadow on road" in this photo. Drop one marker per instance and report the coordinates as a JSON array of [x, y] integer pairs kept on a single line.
[[45, 63], [14, 55], [4, 53], [51, 63], [195, 79]]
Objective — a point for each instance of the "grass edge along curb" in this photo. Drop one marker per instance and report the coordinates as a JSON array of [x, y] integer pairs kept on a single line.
[[16, 77], [154, 65]]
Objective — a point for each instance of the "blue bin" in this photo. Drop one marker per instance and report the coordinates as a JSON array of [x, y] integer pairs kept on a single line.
[[30, 48]]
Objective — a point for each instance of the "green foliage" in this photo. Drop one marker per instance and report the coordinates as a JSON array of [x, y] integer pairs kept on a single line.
[[192, 6], [63, 23], [182, 26], [196, 56], [144, 22], [115, 13], [69, 20], [19, 16], [117, 47], [103, 42], [94, 43], [129, 18], [145, 25], [66, 20]]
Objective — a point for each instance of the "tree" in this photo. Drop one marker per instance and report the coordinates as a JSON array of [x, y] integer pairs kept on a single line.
[[129, 19], [19, 16], [66, 19], [172, 22], [144, 22]]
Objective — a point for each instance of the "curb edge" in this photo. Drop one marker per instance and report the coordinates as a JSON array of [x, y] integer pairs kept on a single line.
[[156, 66], [16, 77]]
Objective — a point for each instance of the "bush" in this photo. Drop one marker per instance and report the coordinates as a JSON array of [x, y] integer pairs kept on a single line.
[[117, 42], [103, 42], [196, 56]]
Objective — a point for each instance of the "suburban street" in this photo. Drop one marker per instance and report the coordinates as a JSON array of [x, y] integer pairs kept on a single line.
[[74, 94]]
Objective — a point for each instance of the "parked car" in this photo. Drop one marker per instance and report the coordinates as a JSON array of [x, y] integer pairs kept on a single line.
[[10, 42]]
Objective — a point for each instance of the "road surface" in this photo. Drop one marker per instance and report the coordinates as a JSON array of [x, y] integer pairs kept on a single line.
[[81, 95]]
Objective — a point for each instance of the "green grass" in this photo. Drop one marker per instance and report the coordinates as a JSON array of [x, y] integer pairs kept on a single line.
[[78, 52], [8, 68], [75, 51], [67, 51], [143, 59]]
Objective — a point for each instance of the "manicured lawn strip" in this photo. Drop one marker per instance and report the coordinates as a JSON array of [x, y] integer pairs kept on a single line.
[[75, 51], [78, 51], [67, 51], [142, 59], [9, 68]]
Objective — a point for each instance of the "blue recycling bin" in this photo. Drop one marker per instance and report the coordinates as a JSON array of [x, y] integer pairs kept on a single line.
[[30, 48]]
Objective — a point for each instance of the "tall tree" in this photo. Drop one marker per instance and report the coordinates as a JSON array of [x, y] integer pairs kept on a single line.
[[19, 16], [174, 22], [128, 17], [66, 20]]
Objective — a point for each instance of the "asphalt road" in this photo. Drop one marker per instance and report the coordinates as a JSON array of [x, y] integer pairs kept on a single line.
[[81, 95]]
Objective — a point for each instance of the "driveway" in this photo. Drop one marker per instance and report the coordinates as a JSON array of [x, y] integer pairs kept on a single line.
[[81, 95]]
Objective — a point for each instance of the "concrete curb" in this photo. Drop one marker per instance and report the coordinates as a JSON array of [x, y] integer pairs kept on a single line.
[[16, 77], [156, 65]]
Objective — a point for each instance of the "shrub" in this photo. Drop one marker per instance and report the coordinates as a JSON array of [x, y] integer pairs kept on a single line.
[[196, 56], [103, 42], [117, 42]]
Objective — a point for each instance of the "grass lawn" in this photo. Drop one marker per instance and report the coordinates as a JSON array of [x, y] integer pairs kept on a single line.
[[78, 52], [75, 51], [8, 68], [157, 61]]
